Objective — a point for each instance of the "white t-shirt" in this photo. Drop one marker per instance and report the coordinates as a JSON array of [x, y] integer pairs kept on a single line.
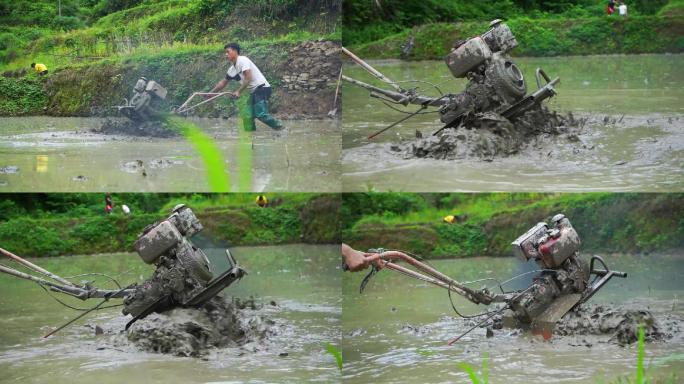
[[622, 8], [241, 65]]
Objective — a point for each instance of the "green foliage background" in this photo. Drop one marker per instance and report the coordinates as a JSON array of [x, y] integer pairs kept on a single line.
[[635, 223], [96, 47], [63, 224], [543, 28]]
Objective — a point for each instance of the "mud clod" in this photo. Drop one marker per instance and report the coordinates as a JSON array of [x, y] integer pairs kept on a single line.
[[127, 127], [489, 135], [193, 332], [622, 324]]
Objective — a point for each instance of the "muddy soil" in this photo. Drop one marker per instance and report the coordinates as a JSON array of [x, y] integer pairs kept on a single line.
[[195, 332], [489, 135], [620, 324], [127, 127]]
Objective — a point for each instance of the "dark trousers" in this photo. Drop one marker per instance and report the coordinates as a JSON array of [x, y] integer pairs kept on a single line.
[[258, 108]]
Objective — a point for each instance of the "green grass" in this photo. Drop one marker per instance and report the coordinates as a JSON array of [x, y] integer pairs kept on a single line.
[[217, 175], [606, 222], [336, 353], [479, 207], [151, 27], [64, 224], [552, 36], [472, 374]]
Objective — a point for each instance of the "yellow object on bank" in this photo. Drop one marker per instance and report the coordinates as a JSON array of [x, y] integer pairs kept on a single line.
[[449, 219], [40, 68], [261, 200]]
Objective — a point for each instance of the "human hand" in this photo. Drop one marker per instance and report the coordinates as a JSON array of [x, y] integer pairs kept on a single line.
[[357, 260]]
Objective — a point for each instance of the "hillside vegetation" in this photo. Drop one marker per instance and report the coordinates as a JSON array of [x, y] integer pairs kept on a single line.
[[97, 48], [43, 225], [606, 222], [543, 28]]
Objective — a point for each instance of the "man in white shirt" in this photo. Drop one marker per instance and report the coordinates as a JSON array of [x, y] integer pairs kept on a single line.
[[622, 9], [242, 69]]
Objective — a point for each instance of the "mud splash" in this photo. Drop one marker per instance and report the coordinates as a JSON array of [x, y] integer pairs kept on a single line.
[[194, 332], [488, 135], [127, 127], [619, 323]]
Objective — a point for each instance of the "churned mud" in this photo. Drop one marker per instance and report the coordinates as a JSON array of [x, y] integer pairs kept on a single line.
[[152, 128], [619, 324], [194, 332], [488, 135]]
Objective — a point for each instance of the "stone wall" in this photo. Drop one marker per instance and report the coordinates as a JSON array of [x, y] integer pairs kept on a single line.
[[311, 66]]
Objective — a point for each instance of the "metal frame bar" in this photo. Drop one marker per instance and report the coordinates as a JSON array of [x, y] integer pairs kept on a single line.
[[184, 107], [433, 276]]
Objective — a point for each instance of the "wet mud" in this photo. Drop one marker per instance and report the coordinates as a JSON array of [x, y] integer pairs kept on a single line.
[[193, 332], [619, 324], [489, 135], [127, 127], [622, 324]]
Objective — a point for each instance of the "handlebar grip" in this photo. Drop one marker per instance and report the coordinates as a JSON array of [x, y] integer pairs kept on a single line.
[[603, 272]]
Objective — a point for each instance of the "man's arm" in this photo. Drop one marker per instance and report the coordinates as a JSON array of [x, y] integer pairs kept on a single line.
[[246, 78], [219, 86]]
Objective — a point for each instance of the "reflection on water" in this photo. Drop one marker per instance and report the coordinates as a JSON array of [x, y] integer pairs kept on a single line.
[[643, 152], [62, 155], [399, 327], [301, 279]]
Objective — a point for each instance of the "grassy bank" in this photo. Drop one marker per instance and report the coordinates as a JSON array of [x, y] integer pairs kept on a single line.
[[77, 225], [543, 37], [634, 223], [94, 61]]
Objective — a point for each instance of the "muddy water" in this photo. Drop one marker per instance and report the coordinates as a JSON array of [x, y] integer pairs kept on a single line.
[[62, 155], [399, 328], [301, 280], [643, 150]]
